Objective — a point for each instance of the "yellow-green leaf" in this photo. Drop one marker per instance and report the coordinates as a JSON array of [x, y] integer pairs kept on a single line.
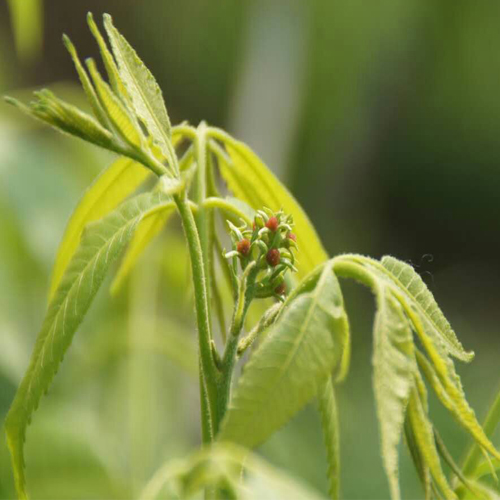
[[102, 243], [250, 180], [110, 188], [149, 227], [124, 124], [145, 94]]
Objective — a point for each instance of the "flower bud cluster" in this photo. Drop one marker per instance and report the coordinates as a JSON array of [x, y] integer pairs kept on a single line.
[[270, 243]]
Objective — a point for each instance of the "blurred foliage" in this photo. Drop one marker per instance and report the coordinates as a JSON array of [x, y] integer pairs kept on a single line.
[[387, 118]]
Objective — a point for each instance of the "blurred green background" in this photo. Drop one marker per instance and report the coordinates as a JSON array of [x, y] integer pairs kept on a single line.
[[383, 119]]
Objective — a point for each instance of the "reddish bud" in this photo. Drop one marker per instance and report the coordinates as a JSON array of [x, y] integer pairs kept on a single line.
[[272, 224], [273, 257], [243, 246], [254, 227], [292, 236], [280, 289]]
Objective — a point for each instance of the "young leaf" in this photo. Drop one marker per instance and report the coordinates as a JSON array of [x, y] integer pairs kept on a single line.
[[293, 361], [145, 94], [331, 434], [109, 62], [86, 84], [424, 438], [123, 123], [149, 227], [448, 386], [433, 319], [109, 189], [102, 242], [393, 372], [66, 118], [251, 181]]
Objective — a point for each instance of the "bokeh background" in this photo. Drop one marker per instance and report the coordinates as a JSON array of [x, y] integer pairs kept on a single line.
[[382, 117]]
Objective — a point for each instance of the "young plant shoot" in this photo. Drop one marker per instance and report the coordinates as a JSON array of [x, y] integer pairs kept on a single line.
[[299, 348]]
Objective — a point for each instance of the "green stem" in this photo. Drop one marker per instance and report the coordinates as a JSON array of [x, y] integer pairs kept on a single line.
[[245, 296], [209, 372]]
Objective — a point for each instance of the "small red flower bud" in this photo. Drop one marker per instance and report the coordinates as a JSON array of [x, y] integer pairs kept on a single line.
[[280, 289], [272, 224], [243, 246], [273, 257], [292, 236], [254, 227]]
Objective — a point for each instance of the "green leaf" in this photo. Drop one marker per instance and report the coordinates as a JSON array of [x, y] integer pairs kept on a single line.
[[394, 368], [251, 181], [109, 189], [421, 466], [424, 438], [331, 434], [145, 94], [297, 355], [65, 118], [150, 226], [447, 385], [102, 242], [433, 318], [234, 471], [86, 84], [109, 62], [122, 121]]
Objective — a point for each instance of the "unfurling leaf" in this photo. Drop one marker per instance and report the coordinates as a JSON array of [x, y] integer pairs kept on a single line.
[[102, 242], [298, 354]]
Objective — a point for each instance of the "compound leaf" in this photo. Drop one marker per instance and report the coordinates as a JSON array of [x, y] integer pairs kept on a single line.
[[297, 355], [109, 189], [102, 242], [144, 92]]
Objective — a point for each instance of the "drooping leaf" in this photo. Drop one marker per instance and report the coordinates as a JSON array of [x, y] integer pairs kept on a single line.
[[145, 94], [424, 439], [149, 227], [393, 373], [331, 435], [448, 386], [109, 189], [101, 244], [433, 318], [121, 119], [251, 181], [422, 468], [299, 352]]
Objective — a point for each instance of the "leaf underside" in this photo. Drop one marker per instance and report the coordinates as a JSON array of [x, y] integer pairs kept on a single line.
[[102, 242], [295, 358]]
